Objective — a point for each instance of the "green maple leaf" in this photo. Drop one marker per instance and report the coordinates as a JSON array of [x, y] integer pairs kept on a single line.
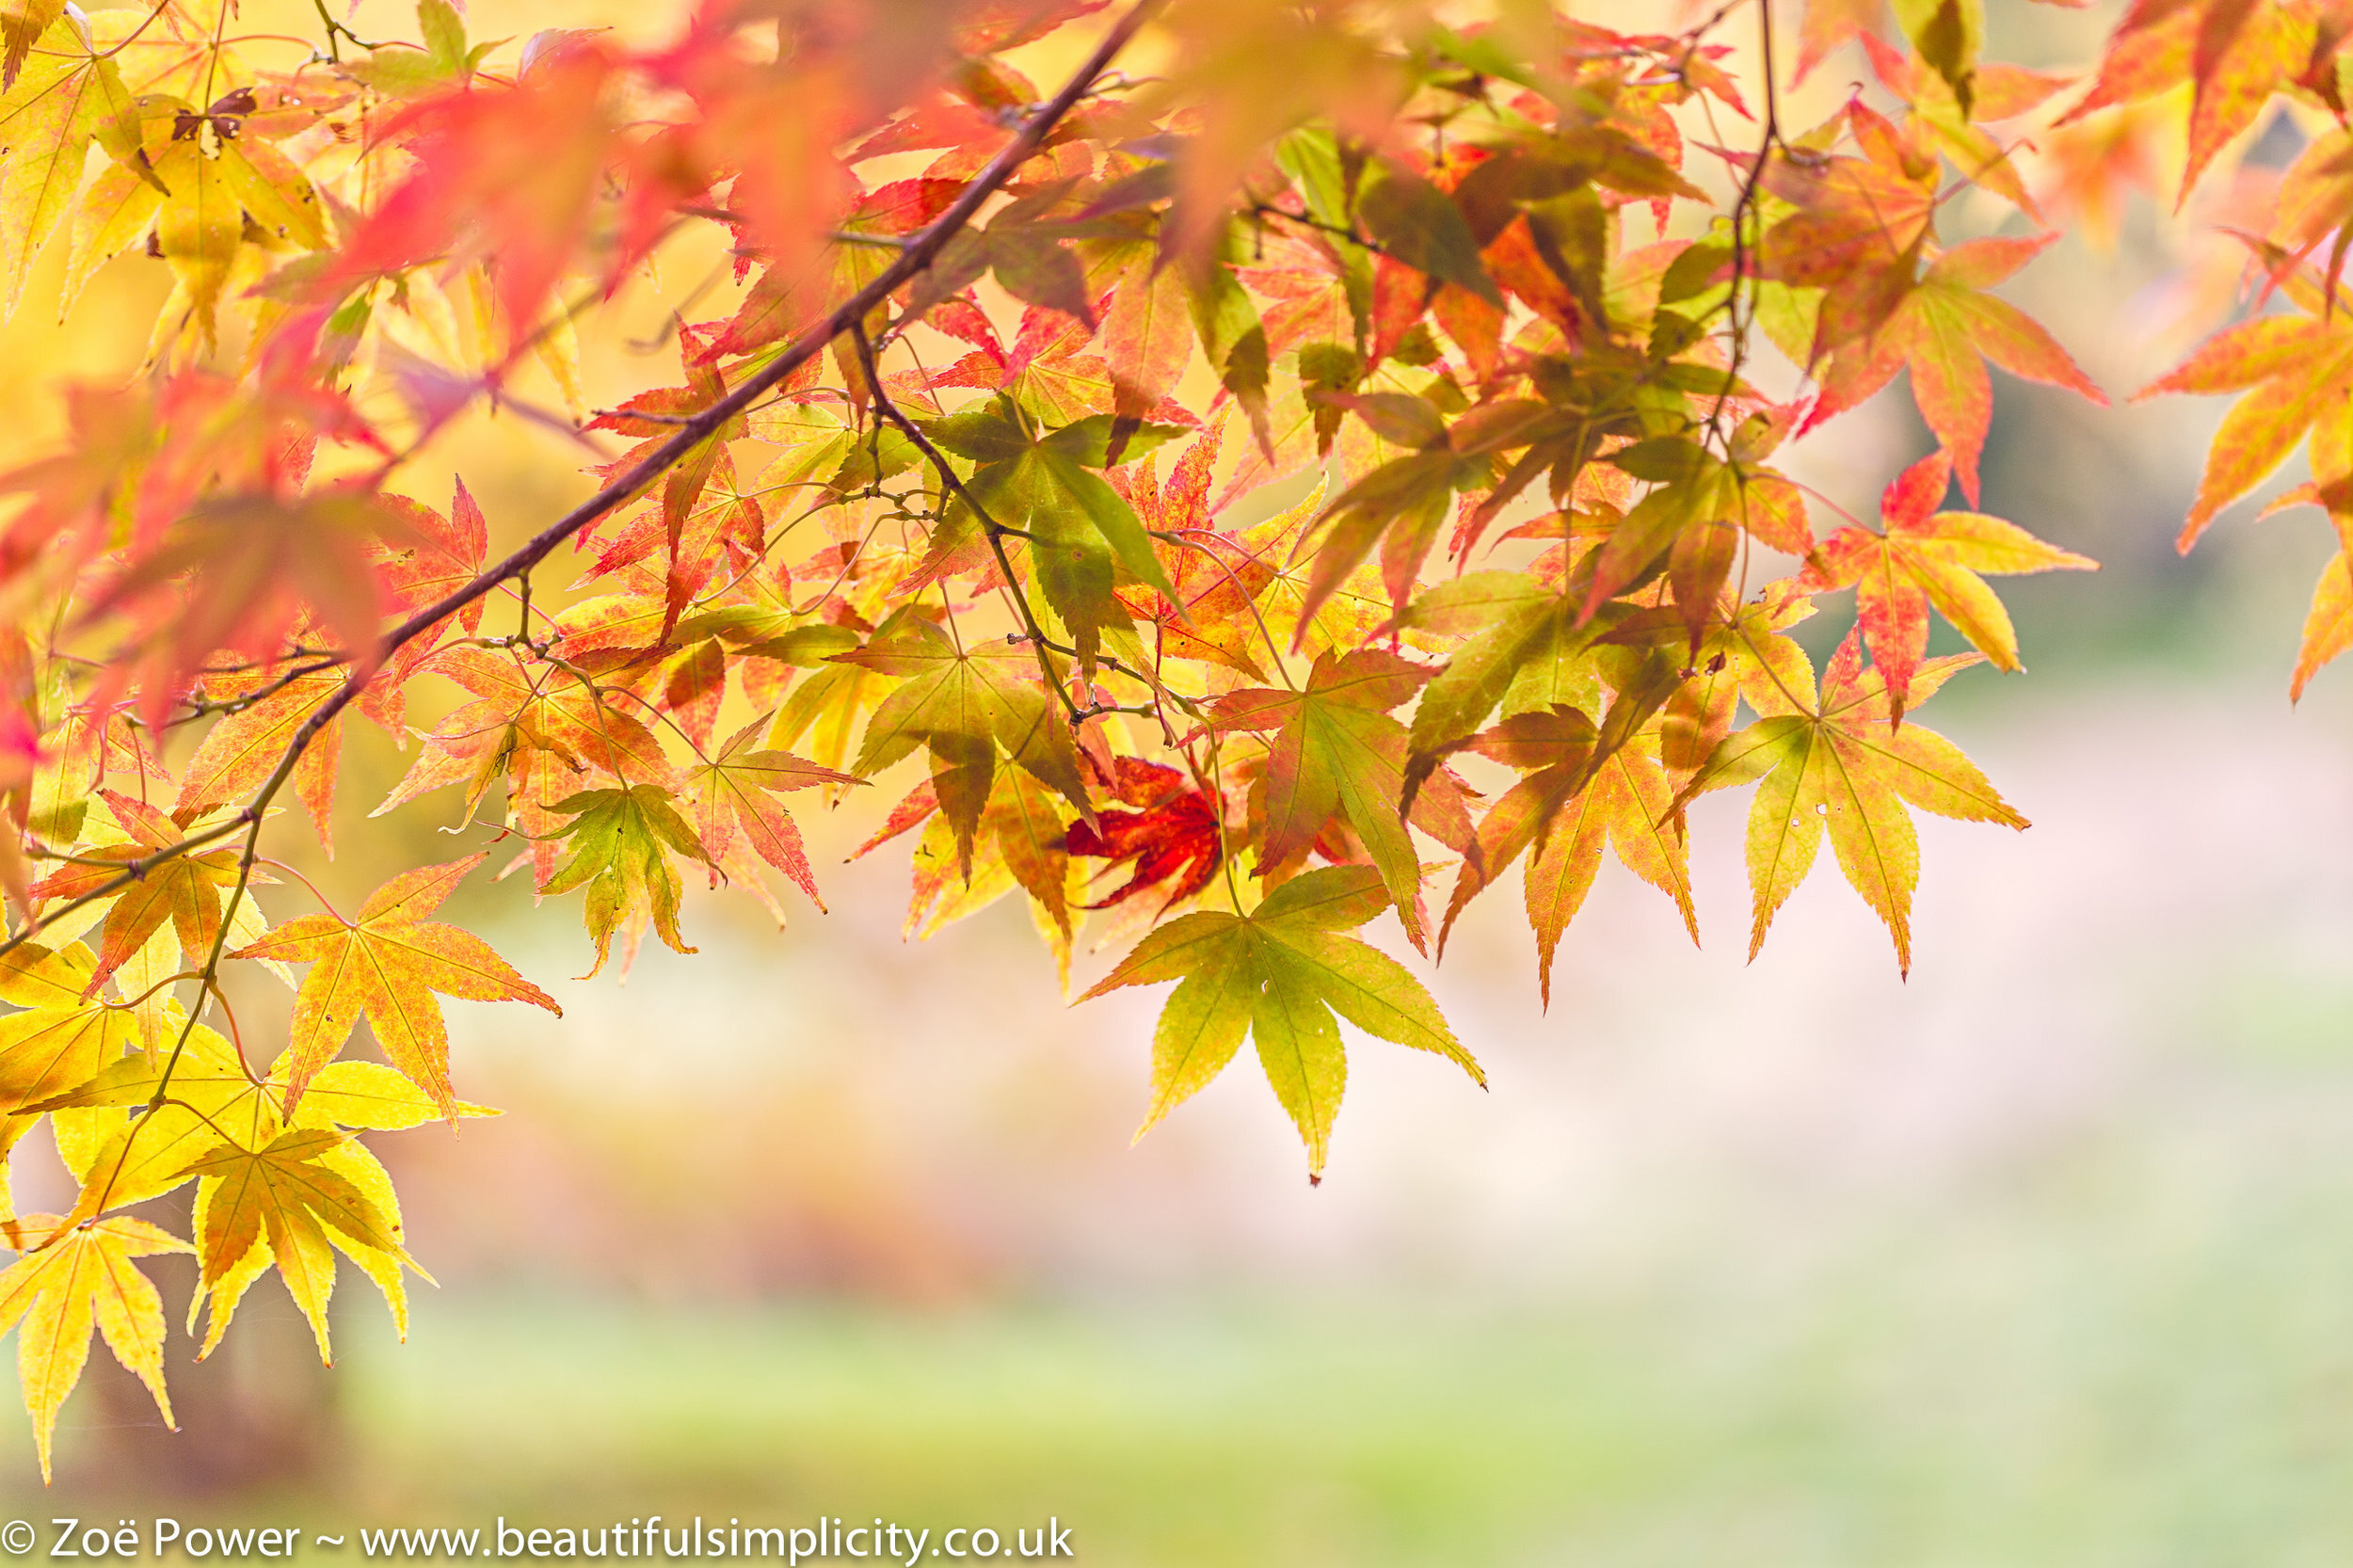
[[1081, 534], [1523, 648], [1278, 975], [962, 706], [620, 841], [1336, 752]]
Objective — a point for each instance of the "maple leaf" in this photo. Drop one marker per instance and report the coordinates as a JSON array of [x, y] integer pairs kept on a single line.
[[1177, 833], [1400, 505], [2291, 367], [1307, 286], [282, 1196], [219, 191], [1081, 533], [60, 1040], [718, 530], [76, 1280], [1568, 806], [53, 104], [1232, 335], [620, 841], [1043, 371], [1691, 522], [90, 487], [962, 706], [784, 300], [1945, 329], [731, 799], [412, 72], [385, 965], [212, 1093], [1921, 557], [941, 892], [1277, 975], [243, 748], [431, 557], [1020, 844], [2328, 625], [1149, 335], [1837, 761], [1257, 72], [1939, 110], [1335, 752], [693, 533], [183, 889], [1949, 35], [23, 22], [1528, 644], [513, 170], [1217, 576], [1421, 225], [2086, 169], [1858, 230], [1629, 802], [238, 571], [2235, 53], [541, 725], [1827, 24]]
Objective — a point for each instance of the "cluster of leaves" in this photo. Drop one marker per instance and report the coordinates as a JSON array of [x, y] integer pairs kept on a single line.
[[1340, 455]]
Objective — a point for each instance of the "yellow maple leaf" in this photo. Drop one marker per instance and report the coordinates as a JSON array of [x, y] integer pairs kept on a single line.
[[282, 1203], [74, 1282]]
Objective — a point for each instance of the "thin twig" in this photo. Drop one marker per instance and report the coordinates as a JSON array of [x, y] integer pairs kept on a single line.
[[994, 530]]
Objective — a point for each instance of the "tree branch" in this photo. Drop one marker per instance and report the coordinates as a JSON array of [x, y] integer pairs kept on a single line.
[[917, 256], [994, 530]]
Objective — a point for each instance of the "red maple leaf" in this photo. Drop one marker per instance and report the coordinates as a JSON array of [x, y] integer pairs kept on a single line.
[[1176, 834]]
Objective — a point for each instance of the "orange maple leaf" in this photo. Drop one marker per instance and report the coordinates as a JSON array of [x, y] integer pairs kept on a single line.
[[730, 797], [185, 890], [2293, 369], [2235, 53], [1945, 329], [1923, 556], [386, 964]]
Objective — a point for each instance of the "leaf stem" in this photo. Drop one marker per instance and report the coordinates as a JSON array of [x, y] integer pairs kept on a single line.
[[994, 530]]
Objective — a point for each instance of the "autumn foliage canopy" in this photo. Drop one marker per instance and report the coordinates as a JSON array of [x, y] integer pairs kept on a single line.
[[1261, 465]]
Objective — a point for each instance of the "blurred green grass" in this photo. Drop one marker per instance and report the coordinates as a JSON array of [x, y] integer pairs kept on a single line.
[[2083, 1368], [2111, 1359]]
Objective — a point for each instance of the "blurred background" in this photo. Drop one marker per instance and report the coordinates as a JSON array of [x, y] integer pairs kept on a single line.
[[2040, 1257]]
